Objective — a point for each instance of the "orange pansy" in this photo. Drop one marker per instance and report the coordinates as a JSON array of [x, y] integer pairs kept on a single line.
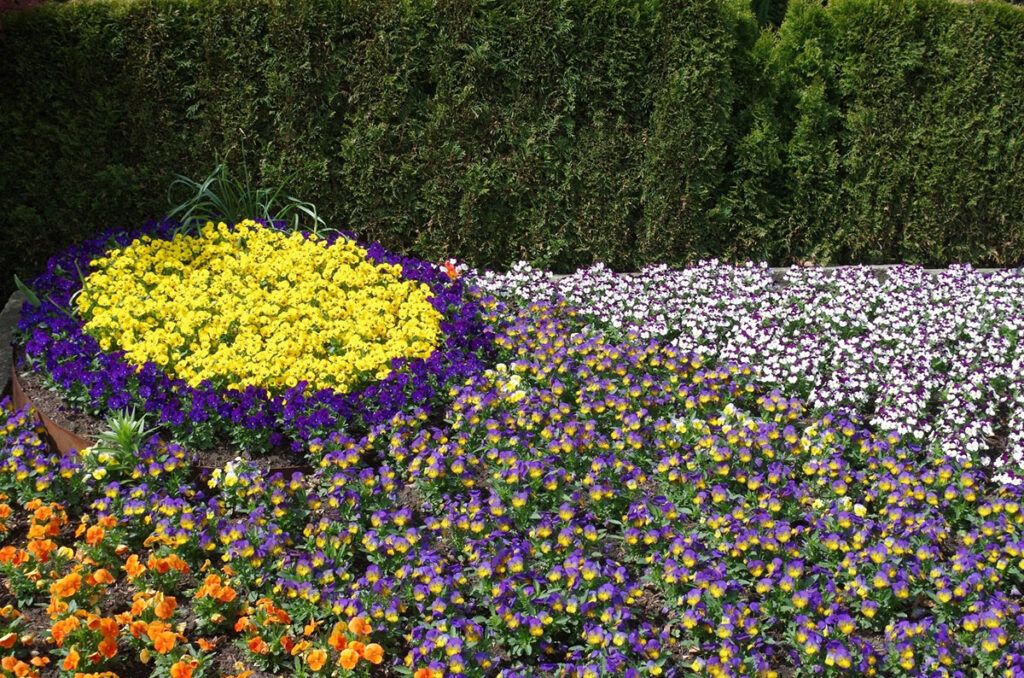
[[105, 625], [348, 658], [108, 646], [258, 646], [41, 549], [94, 535], [62, 628], [165, 608], [373, 653], [316, 659], [226, 594], [301, 647], [164, 641], [66, 586], [181, 670], [206, 645], [159, 564], [278, 615], [103, 576], [133, 567], [210, 587], [71, 661], [359, 626], [337, 639]]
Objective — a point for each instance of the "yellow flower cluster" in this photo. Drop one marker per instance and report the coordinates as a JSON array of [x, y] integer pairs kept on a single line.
[[256, 306]]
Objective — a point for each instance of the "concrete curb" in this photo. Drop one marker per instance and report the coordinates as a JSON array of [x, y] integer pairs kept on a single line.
[[8, 321]]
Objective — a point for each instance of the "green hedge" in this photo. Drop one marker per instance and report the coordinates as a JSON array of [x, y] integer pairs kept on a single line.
[[905, 136], [626, 131]]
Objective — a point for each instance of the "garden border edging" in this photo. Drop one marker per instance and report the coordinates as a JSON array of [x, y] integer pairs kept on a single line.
[[8, 321]]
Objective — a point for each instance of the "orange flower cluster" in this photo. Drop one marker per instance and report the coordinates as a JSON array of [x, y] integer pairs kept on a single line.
[[162, 636], [260, 625], [165, 564], [216, 600], [10, 664], [5, 513], [94, 534], [160, 565], [60, 629], [89, 587], [350, 652], [162, 606], [11, 555], [213, 587], [44, 524], [21, 669], [79, 573], [106, 628], [147, 620]]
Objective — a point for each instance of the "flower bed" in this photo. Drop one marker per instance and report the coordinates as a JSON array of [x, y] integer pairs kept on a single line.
[[108, 356], [936, 359], [253, 306], [582, 505]]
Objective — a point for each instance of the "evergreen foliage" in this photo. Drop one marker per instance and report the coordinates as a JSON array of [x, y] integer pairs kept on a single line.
[[563, 133]]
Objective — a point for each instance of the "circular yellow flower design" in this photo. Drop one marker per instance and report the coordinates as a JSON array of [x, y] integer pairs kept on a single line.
[[251, 305]]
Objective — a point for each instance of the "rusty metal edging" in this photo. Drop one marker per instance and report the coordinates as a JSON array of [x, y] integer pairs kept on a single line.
[[62, 439]]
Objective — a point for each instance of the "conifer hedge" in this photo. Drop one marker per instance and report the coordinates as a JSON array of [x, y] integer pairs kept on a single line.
[[561, 132]]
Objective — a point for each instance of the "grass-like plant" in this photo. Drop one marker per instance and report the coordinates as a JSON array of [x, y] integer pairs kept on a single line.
[[225, 196], [126, 431]]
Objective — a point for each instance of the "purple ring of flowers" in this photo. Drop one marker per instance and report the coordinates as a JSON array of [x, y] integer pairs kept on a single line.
[[53, 338]]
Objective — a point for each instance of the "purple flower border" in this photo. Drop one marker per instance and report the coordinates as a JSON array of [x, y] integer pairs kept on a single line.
[[53, 337]]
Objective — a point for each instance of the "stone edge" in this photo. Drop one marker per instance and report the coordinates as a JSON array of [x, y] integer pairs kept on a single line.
[[8, 321]]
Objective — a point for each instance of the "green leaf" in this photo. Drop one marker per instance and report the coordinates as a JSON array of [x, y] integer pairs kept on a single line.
[[30, 296]]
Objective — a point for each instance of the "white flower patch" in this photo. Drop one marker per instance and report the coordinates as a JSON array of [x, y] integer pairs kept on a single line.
[[936, 359]]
